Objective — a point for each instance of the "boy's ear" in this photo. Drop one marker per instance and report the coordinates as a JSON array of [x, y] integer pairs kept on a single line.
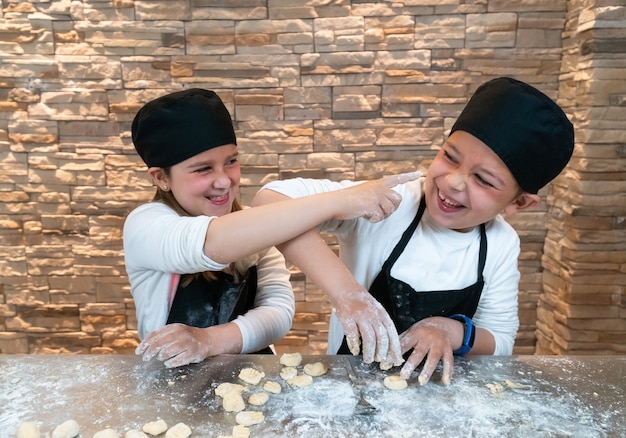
[[522, 202]]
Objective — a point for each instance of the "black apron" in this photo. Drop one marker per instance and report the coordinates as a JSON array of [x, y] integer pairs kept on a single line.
[[406, 306], [206, 303]]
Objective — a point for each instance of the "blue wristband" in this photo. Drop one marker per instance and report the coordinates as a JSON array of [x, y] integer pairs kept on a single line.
[[469, 334]]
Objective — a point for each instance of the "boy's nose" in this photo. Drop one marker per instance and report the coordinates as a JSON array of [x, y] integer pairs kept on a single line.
[[457, 180]]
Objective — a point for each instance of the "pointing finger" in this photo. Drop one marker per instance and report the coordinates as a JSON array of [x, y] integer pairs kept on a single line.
[[394, 180]]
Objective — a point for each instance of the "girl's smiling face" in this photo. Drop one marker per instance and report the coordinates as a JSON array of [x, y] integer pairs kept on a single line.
[[205, 184], [468, 184]]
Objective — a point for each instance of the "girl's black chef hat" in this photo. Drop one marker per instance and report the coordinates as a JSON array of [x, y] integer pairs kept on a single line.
[[177, 126], [528, 131]]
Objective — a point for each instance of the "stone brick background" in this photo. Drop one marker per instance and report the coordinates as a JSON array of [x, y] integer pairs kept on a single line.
[[336, 89]]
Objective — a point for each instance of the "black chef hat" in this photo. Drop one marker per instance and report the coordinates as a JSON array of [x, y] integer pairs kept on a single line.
[[524, 127], [177, 126]]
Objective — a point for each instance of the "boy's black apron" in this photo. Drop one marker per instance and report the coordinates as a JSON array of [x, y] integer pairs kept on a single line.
[[206, 303], [406, 306]]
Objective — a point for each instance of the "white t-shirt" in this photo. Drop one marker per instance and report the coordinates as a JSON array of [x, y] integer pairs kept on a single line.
[[159, 245], [434, 259]]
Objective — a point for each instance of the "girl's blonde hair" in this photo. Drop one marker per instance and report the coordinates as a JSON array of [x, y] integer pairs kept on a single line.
[[167, 198]]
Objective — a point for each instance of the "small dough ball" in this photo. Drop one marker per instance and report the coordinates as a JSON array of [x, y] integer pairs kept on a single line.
[[251, 376], [135, 434], [248, 418], [240, 431], [301, 381], [288, 373], [258, 399], [395, 382], [223, 388], [28, 429], [69, 429], [315, 369], [155, 428], [106, 433], [291, 359], [180, 430], [273, 387], [233, 402]]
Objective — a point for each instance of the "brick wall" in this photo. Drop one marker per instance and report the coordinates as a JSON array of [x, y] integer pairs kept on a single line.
[[347, 89], [582, 309]]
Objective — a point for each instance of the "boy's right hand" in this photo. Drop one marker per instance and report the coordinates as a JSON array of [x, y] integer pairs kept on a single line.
[[373, 200]]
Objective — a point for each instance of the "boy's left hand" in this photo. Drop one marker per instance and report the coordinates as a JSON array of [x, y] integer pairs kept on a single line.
[[430, 338]]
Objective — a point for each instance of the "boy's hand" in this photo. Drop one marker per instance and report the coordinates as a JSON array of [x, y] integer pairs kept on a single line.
[[430, 338], [367, 325], [373, 200]]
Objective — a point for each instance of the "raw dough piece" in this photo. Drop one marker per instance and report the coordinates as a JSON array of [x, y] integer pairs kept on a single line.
[[273, 387], [69, 429], [248, 418], [135, 434], [258, 399], [106, 433], [315, 369], [291, 359], [395, 382], [28, 430], [240, 431], [223, 388], [251, 376], [496, 389], [233, 402], [181, 430], [514, 385], [288, 373], [155, 428], [301, 380]]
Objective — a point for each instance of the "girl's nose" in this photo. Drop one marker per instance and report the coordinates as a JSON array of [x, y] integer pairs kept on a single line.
[[222, 181]]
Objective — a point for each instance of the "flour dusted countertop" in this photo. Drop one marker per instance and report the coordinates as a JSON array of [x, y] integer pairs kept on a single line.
[[525, 396]]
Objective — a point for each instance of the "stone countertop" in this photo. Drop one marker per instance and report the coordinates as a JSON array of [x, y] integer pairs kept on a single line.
[[489, 396]]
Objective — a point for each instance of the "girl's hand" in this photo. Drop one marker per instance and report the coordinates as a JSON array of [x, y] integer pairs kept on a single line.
[[179, 344], [367, 325], [373, 200], [433, 339]]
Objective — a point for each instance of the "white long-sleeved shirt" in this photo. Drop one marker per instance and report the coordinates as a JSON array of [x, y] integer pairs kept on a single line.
[[434, 259], [159, 245]]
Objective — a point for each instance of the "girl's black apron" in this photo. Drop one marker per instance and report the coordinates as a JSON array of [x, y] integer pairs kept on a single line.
[[407, 306], [206, 303]]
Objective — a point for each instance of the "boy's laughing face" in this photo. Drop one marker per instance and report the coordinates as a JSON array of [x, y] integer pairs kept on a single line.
[[468, 184]]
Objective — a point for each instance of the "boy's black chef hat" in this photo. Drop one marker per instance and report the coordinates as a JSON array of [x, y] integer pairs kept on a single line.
[[177, 126], [524, 127]]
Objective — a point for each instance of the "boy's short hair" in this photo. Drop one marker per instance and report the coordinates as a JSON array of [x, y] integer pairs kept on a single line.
[[177, 126], [528, 131]]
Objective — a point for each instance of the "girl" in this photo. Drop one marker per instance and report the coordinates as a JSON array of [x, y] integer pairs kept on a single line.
[[203, 273]]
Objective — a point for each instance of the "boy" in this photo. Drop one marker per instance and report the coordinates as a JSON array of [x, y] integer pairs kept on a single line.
[[444, 265]]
